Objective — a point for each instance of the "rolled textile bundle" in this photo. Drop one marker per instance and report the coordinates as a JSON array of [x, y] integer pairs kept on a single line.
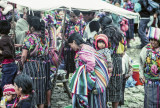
[[136, 74]]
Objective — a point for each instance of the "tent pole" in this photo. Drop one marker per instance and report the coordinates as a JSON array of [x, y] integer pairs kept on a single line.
[[13, 16], [55, 77]]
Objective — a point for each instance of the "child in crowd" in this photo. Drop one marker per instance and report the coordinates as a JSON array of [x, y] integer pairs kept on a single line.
[[101, 44], [25, 93], [24, 90], [127, 72], [7, 54], [9, 94], [127, 65], [153, 21]]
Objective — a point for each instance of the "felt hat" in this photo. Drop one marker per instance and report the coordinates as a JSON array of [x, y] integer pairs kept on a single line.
[[154, 33], [101, 37], [8, 89]]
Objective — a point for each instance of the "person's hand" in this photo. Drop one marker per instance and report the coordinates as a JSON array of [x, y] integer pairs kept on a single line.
[[142, 79], [4, 105], [110, 70], [127, 76]]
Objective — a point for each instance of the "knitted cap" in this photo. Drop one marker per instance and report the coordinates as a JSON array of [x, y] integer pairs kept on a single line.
[[101, 37], [8, 89]]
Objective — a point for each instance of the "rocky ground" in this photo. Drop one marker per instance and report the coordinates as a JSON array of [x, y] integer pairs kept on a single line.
[[60, 99], [133, 96]]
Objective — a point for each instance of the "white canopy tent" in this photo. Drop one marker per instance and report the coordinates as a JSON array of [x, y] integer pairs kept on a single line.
[[83, 5]]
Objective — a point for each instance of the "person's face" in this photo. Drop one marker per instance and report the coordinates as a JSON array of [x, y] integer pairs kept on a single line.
[[74, 46], [101, 45], [73, 17], [155, 15], [42, 14], [61, 14], [9, 97], [17, 90], [117, 4], [154, 43], [25, 16], [31, 29], [87, 17]]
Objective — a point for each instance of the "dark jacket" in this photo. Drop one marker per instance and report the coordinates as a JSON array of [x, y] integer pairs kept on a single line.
[[158, 1], [144, 13], [24, 104], [7, 47]]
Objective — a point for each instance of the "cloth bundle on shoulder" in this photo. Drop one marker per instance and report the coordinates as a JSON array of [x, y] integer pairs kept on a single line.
[[124, 25], [154, 33], [150, 5], [53, 55], [153, 4]]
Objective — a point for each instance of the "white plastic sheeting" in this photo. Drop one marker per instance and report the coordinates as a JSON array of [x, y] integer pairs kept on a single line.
[[84, 5]]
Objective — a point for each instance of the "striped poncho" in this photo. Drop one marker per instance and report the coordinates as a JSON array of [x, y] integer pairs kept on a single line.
[[91, 74]]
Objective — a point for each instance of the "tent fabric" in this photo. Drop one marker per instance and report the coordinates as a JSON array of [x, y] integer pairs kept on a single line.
[[83, 5]]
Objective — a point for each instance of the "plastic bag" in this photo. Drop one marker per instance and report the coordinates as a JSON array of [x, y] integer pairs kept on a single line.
[[120, 48], [130, 82]]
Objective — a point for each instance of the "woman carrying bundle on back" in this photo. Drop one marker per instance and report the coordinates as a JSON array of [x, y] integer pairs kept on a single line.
[[90, 79]]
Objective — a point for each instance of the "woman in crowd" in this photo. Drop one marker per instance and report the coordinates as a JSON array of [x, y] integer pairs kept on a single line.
[[116, 46], [35, 58], [130, 32], [89, 81], [150, 63], [73, 25]]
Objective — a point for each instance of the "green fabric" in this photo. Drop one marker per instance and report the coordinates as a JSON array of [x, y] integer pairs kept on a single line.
[[150, 77]]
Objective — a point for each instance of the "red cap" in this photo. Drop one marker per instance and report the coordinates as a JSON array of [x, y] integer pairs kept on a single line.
[[8, 89], [101, 37]]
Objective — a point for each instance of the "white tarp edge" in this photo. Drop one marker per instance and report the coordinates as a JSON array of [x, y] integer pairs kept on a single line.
[[83, 5]]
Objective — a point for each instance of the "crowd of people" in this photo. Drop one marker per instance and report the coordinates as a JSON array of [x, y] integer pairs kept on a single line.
[[94, 52]]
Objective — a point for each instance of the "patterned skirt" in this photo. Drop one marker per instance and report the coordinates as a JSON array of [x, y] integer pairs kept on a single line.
[[152, 94], [95, 100], [115, 86], [69, 60], [38, 68]]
